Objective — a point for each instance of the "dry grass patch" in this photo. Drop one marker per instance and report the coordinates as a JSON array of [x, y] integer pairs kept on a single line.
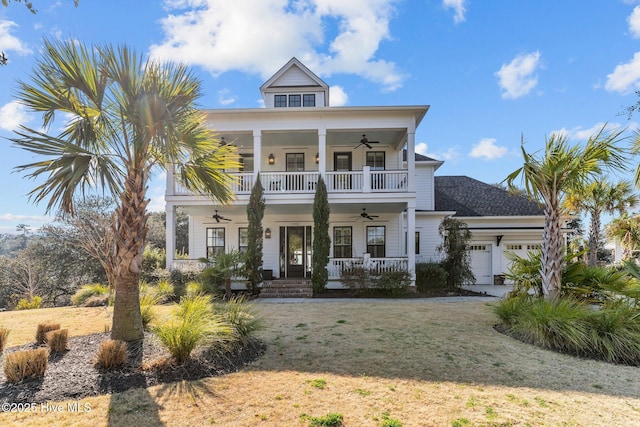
[[422, 363]]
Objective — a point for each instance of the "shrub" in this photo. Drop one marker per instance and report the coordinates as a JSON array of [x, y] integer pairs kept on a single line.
[[242, 318], [194, 288], [356, 276], [112, 354], [194, 324], [97, 301], [615, 333], [429, 276], [152, 259], [29, 303], [57, 340], [610, 333], [25, 364], [43, 328], [393, 282], [180, 279], [4, 335], [88, 291]]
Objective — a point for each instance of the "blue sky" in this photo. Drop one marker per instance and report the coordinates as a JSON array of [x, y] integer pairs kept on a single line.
[[492, 71]]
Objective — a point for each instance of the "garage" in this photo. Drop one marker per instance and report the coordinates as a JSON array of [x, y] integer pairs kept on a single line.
[[481, 263]]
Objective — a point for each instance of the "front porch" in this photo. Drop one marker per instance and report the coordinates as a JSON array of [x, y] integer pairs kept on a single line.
[[335, 266]]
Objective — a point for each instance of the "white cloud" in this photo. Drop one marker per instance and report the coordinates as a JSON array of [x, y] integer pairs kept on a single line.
[[225, 97], [9, 42], [625, 77], [459, 6], [583, 134], [13, 115], [517, 77], [337, 96], [259, 37], [451, 154], [9, 217], [634, 22], [488, 149]]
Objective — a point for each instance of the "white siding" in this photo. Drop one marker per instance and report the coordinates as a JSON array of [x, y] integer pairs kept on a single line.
[[294, 76], [424, 187]]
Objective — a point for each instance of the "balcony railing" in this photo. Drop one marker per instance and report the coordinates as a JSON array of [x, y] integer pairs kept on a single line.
[[305, 182]]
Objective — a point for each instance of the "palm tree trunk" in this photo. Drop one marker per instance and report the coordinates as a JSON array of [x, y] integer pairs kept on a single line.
[[552, 259], [130, 235], [594, 238]]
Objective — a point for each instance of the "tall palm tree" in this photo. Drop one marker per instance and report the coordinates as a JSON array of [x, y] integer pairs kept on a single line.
[[596, 198], [125, 119], [626, 230], [549, 177]]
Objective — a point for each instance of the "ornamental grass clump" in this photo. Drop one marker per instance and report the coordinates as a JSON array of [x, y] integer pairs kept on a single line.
[[242, 317], [93, 292], [194, 325], [4, 336], [112, 354], [26, 364], [43, 328], [57, 340], [610, 332]]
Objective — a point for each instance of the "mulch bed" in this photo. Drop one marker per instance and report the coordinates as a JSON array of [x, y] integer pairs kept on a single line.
[[71, 375]]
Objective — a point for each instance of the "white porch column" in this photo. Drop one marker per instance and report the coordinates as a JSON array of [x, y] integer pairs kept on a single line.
[[411, 158], [171, 182], [257, 152], [411, 240], [171, 234], [322, 151]]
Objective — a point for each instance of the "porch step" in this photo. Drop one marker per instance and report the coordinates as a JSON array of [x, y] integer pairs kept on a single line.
[[299, 288]]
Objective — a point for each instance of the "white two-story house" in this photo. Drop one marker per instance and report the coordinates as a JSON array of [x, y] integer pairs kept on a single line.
[[386, 203]]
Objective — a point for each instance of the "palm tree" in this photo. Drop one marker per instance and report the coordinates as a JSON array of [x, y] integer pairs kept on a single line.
[[626, 230], [126, 119], [596, 198], [547, 179]]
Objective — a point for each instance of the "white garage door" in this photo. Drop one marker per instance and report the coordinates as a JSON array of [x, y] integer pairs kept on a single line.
[[481, 263]]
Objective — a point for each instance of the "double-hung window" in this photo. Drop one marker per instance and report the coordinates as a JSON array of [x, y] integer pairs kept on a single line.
[[342, 242], [215, 241], [376, 241]]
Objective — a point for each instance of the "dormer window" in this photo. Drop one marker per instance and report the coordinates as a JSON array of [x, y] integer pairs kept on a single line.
[[294, 100], [309, 100], [280, 101]]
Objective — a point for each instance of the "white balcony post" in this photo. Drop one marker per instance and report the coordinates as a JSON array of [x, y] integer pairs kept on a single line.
[[322, 151], [366, 179], [411, 240], [171, 235], [411, 159], [257, 152]]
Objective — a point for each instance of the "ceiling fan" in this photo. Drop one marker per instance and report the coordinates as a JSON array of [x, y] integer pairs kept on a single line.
[[364, 141], [219, 217], [365, 215]]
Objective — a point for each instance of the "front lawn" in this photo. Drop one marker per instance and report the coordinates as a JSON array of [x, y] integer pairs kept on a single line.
[[414, 362]]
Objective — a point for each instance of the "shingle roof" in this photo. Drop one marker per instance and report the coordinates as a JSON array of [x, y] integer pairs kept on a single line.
[[419, 157], [470, 197]]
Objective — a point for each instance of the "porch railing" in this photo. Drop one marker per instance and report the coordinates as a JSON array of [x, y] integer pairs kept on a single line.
[[338, 265]]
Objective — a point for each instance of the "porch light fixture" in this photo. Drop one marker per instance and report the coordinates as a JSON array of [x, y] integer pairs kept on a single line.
[[317, 158], [267, 233], [272, 159]]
